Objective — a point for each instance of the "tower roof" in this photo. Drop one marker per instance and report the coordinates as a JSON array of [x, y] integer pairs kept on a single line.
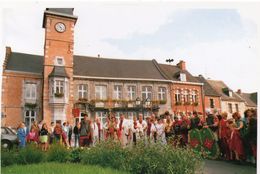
[[62, 12]]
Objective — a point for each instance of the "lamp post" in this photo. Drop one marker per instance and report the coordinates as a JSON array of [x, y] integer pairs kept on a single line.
[[140, 103]]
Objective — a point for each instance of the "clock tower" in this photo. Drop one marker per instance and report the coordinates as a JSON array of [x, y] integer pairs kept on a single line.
[[58, 64]]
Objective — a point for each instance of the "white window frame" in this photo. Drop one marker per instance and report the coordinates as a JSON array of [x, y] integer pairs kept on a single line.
[[57, 58], [194, 96], [185, 96], [117, 92], [32, 89], [177, 95], [146, 92], [31, 117], [183, 77], [131, 90], [59, 85], [103, 94], [162, 93], [83, 91]]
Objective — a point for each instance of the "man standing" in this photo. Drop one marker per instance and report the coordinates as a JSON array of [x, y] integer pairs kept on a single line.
[[123, 130], [142, 126], [85, 132]]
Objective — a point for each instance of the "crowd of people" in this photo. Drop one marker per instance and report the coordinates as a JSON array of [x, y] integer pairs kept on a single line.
[[236, 136]]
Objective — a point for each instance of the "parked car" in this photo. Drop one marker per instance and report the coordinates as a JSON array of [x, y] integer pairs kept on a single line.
[[8, 138]]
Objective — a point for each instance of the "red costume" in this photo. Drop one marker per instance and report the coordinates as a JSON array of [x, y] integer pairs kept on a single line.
[[236, 143]]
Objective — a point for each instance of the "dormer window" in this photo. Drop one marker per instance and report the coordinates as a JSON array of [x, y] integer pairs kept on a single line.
[[230, 93], [182, 77], [59, 61]]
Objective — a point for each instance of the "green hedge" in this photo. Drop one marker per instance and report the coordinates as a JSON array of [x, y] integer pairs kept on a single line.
[[142, 158], [155, 158]]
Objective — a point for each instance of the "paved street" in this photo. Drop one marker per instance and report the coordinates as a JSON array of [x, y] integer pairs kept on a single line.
[[222, 167]]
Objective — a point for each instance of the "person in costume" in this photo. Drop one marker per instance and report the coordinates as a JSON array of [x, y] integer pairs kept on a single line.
[[123, 130], [134, 130], [21, 134], [112, 128], [195, 121], [235, 142], [160, 131], [142, 126], [250, 138], [223, 137], [85, 134], [176, 126], [44, 137], [168, 128], [212, 123]]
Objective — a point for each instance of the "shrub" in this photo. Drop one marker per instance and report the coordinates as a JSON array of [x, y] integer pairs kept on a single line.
[[75, 155], [30, 154], [142, 158], [8, 158], [58, 153], [108, 154]]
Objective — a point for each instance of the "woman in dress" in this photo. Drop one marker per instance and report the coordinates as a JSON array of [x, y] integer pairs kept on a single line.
[[21, 134], [44, 137]]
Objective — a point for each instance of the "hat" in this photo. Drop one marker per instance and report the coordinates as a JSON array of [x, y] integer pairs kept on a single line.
[[208, 111]]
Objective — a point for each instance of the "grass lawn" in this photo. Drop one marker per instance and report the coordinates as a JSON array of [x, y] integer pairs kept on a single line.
[[60, 168]]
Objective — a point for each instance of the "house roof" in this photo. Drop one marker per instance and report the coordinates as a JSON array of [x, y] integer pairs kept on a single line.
[[90, 66], [208, 90], [25, 63], [58, 71], [249, 98], [119, 68], [219, 85], [68, 11], [172, 72]]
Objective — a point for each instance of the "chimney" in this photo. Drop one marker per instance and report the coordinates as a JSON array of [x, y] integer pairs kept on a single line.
[[239, 91], [182, 65], [8, 52]]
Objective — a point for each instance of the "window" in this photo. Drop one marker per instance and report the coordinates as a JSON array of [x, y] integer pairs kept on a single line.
[[117, 94], [29, 117], [230, 93], [162, 93], [183, 77], [131, 115], [131, 92], [211, 102], [237, 109], [230, 108], [177, 96], [186, 96], [30, 91], [102, 117], [59, 86], [146, 92], [82, 90], [194, 97], [101, 92], [59, 61]]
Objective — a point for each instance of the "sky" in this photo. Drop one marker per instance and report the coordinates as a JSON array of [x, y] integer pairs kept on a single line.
[[219, 41]]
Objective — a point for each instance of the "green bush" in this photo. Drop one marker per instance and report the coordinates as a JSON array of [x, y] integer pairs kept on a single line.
[[30, 154], [58, 153], [153, 158], [75, 155], [106, 154], [8, 158]]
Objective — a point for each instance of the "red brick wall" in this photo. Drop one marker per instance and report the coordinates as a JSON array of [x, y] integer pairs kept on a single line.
[[191, 107], [216, 102], [12, 97]]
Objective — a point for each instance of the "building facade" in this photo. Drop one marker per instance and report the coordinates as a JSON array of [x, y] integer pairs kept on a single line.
[[211, 97], [230, 101], [185, 90]]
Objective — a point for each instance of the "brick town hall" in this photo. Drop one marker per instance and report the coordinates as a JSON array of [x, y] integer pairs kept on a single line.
[[60, 86]]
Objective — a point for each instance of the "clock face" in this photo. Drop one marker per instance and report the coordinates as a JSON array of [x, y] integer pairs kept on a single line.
[[60, 27]]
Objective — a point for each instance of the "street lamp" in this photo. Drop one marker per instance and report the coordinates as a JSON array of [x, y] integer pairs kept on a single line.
[[141, 103]]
